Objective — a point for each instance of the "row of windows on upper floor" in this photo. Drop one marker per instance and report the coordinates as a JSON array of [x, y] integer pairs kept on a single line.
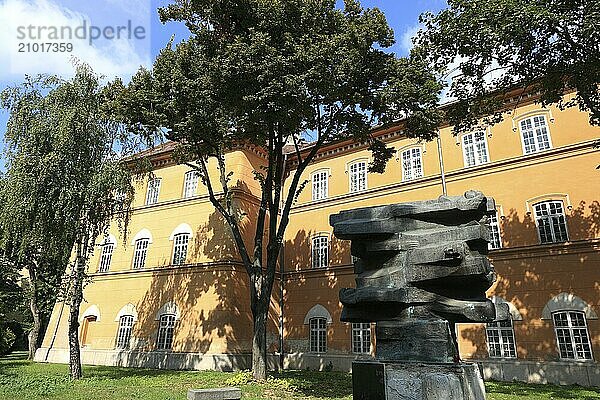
[[178, 257], [549, 217], [535, 137]]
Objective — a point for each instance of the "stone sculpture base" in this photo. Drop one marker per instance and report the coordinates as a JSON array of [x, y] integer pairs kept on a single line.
[[374, 380]]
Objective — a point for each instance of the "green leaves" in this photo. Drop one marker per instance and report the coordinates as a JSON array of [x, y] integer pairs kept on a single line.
[[502, 45]]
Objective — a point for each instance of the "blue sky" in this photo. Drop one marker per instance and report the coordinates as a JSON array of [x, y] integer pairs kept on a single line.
[[123, 59]]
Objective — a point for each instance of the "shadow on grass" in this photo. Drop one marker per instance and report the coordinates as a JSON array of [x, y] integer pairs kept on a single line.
[[317, 384], [532, 391]]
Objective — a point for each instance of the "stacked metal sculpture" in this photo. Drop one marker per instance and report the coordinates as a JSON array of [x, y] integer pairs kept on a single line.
[[421, 267]]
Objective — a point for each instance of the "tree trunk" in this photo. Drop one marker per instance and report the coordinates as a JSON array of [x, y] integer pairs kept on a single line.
[[35, 330], [35, 312], [259, 340], [76, 298]]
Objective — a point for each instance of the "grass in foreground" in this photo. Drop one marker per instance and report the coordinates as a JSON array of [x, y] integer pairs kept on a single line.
[[21, 379]]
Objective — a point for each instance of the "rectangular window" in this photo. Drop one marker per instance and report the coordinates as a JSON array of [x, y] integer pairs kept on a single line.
[[412, 165], [318, 335], [139, 255], [153, 191], [358, 176], [535, 135], [165, 332], [320, 185], [106, 257], [180, 248], [550, 219], [124, 332], [190, 184], [572, 335], [361, 338], [495, 239], [475, 150], [501, 339], [320, 252]]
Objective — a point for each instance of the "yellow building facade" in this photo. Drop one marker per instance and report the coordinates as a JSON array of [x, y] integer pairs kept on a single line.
[[173, 294]]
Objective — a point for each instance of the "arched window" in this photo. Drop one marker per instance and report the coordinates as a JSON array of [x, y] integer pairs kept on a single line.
[[550, 220], [495, 238], [106, 251], [190, 184], [572, 335], [318, 335], [139, 254], [501, 339], [320, 252], [320, 185], [180, 248], [475, 151], [412, 164], [124, 331], [166, 329], [361, 338], [535, 135], [358, 176], [153, 191]]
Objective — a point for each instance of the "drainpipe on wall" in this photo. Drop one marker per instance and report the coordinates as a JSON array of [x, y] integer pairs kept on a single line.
[[441, 157]]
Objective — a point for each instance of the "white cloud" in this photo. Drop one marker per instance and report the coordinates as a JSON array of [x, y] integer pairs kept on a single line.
[[407, 36], [116, 57]]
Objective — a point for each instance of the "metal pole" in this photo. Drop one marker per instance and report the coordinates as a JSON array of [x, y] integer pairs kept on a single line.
[[281, 279], [441, 157]]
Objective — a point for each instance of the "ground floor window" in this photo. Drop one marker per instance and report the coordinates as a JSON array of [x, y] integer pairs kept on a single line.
[[165, 332], [501, 339], [318, 335], [124, 332], [361, 338], [572, 335]]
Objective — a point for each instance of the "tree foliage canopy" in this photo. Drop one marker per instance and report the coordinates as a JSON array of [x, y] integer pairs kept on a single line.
[[271, 73], [497, 45]]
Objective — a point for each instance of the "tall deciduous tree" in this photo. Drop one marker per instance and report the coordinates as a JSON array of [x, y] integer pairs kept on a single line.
[[271, 72], [497, 45], [64, 172]]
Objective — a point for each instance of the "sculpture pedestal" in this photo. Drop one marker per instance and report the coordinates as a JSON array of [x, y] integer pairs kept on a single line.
[[375, 380]]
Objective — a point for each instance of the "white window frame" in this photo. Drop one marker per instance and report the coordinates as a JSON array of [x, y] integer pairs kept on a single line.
[[106, 253], [361, 338], [318, 335], [578, 337], [166, 332], [153, 191], [140, 253], [549, 220], [535, 134], [412, 164], [190, 184], [320, 184], [502, 335], [320, 251], [180, 248], [357, 176], [494, 232], [124, 331], [478, 146]]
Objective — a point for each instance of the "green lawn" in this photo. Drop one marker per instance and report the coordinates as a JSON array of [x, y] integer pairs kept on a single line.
[[20, 379]]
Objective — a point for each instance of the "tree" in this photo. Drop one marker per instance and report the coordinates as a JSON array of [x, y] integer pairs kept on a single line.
[[498, 45], [31, 237], [64, 174], [269, 73]]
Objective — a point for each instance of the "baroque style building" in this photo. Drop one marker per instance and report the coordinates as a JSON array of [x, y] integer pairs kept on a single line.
[[174, 294]]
